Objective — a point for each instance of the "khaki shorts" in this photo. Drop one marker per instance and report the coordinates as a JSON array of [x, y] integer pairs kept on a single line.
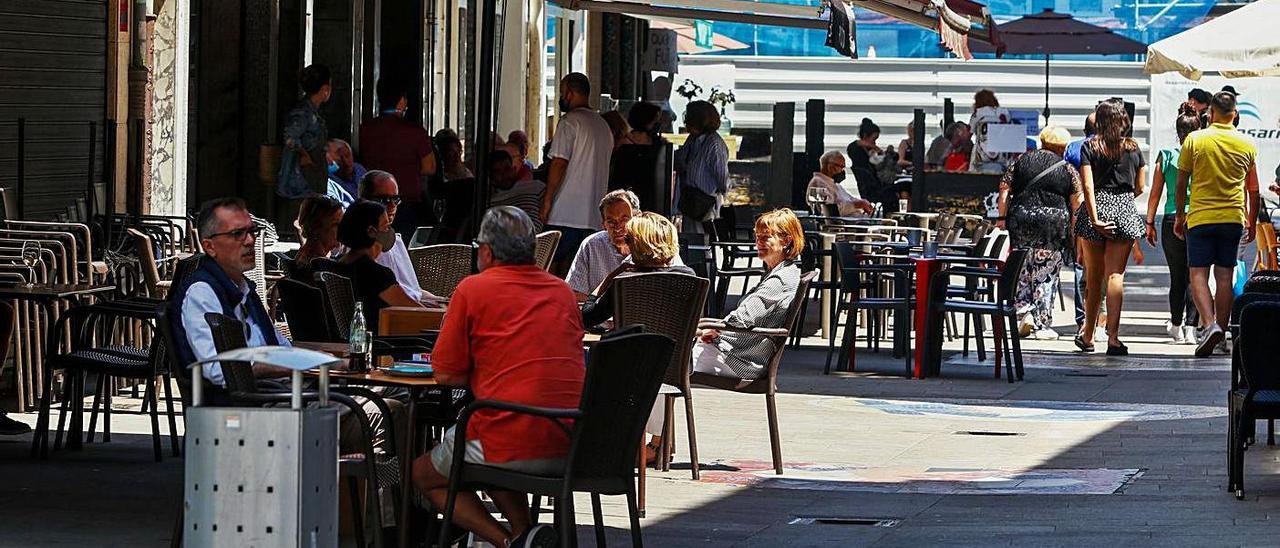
[[442, 459]]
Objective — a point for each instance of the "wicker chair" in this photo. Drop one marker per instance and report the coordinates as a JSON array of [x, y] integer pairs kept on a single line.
[[767, 384], [340, 300], [547, 243], [304, 310], [669, 304], [441, 267], [142, 245]]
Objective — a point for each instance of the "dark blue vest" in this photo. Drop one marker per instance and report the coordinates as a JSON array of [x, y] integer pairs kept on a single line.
[[228, 294]]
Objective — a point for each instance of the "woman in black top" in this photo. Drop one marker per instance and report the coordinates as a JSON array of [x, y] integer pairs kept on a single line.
[[367, 232], [1037, 194], [864, 158], [1114, 172]]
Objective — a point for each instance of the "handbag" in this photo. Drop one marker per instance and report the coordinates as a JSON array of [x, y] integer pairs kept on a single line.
[[694, 203]]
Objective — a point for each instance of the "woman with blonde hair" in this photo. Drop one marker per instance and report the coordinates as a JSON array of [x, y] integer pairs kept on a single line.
[[654, 246], [1037, 194], [1114, 172], [779, 242]]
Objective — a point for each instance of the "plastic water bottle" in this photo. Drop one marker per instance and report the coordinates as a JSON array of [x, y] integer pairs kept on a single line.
[[359, 340]]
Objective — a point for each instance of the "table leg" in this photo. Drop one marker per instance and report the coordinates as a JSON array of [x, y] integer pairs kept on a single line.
[[406, 466], [640, 479], [928, 349], [827, 296]]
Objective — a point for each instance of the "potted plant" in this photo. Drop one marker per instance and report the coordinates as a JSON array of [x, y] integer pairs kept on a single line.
[[722, 98]]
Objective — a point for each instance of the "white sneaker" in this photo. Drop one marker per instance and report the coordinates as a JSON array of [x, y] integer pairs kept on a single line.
[[1207, 339], [1100, 334], [1188, 334], [1045, 335], [1223, 348], [1175, 332]]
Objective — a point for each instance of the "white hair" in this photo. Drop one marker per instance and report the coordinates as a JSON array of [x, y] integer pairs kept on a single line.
[[509, 233], [828, 157]]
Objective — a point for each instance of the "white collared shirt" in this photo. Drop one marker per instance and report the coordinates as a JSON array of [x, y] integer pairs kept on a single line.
[[200, 300], [836, 194], [397, 259]]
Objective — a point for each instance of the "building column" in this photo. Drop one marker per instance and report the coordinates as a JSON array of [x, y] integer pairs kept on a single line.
[[119, 25], [171, 71], [512, 68]]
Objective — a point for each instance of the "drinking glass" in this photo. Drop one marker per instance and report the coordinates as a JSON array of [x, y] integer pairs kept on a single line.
[[815, 200], [30, 257]]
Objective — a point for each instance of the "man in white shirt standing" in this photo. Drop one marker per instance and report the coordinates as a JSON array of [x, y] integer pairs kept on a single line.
[[829, 176], [380, 186], [579, 171]]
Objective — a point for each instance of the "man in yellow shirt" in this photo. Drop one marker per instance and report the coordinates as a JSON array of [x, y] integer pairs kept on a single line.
[[1224, 205]]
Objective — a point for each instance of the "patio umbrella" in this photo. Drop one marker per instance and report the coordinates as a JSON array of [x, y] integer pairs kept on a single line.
[[1048, 33], [1240, 44], [686, 39]]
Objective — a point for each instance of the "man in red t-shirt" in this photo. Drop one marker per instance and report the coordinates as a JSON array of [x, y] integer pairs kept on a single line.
[[513, 333], [395, 145]]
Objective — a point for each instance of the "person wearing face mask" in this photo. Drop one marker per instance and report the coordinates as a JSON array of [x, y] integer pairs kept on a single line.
[[366, 231], [343, 167], [402, 148], [579, 169], [336, 189], [829, 177]]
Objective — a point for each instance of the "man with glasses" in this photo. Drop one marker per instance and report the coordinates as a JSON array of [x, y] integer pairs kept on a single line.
[[219, 285], [381, 186]]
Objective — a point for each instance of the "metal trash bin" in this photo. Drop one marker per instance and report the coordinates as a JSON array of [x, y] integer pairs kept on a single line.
[[263, 477]]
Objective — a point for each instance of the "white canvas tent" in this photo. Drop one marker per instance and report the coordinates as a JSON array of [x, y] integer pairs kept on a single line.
[[1243, 43]]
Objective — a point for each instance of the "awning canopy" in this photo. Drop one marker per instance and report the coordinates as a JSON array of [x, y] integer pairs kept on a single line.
[[954, 20], [1240, 44]]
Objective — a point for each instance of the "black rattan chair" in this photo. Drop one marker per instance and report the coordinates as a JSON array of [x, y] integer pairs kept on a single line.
[[767, 383], [621, 385], [1258, 396], [859, 287], [1000, 308], [305, 311]]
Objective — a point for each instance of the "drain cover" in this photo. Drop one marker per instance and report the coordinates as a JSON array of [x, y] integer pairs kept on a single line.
[[987, 433], [871, 522]]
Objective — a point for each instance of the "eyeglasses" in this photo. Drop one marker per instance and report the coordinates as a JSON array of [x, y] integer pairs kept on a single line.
[[240, 234], [388, 200]]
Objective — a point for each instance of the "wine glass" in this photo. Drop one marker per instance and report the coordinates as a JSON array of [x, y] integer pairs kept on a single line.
[[816, 199], [30, 257]]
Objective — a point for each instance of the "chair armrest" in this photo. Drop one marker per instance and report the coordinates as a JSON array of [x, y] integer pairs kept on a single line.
[[548, 412], [719, 325]]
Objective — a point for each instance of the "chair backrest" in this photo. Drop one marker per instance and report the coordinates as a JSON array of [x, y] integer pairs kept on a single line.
[[1009, 274], [146, 261], [780, 341], [305, 312], [1262, 283], [666, 303], [228, 334], [9, 199], [621, 386], [1247, 298], [546, 250], [440, 268], [1258, 345], [186, 267], [340, 300]]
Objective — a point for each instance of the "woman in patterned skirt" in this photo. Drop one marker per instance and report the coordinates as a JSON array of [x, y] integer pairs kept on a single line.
[[1037, 194], [1114, 173]]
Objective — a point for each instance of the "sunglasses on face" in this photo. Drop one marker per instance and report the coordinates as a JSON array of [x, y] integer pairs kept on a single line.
[[388, 200], [240, 234]]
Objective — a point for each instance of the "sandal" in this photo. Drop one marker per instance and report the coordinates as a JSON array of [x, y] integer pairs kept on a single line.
[[1118, 350], [1082, 345]]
